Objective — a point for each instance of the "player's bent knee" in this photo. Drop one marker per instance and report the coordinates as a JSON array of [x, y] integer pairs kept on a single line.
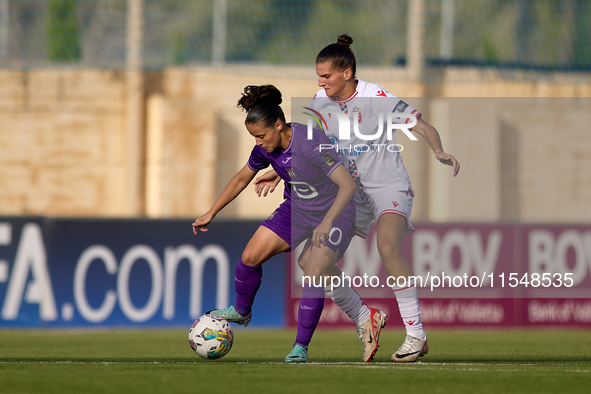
[[251, 258], [303, 260], [389, 251], [302, 263]]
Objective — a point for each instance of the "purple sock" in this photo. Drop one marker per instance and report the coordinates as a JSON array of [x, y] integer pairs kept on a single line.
[[246, 283], [311, 307]]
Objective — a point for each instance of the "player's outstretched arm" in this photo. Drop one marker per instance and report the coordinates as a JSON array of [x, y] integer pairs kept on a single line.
[[430, 134], [236, 185], [266, 183], [347, 188]]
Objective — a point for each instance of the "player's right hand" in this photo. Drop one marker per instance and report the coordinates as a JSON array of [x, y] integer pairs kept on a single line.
[[201, 223], [266, 183]]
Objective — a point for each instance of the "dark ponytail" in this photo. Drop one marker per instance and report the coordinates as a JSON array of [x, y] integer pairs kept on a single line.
[[261, 104], [339, 55]]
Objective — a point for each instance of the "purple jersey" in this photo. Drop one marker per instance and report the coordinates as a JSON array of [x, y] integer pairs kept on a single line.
[[305, 165]]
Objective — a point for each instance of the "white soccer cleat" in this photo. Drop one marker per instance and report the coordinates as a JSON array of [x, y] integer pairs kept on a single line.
[[411, 350], [369, 333]]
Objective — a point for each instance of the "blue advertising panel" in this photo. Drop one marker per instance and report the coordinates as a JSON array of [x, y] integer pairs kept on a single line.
[[125, 272]]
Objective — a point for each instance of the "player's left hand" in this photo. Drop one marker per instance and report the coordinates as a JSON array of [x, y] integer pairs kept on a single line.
[[321, 233], [449, 160]]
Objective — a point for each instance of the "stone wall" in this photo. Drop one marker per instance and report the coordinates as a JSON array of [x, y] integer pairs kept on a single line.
[[64, 143]]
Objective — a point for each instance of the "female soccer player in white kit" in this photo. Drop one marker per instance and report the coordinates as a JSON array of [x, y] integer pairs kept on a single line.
[[384, 191]]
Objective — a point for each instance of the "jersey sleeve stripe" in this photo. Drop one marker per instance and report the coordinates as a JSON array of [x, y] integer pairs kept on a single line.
[[251, 167], [334, 168]]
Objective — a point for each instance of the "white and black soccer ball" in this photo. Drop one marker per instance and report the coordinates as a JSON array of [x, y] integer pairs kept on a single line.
[[211, 337]]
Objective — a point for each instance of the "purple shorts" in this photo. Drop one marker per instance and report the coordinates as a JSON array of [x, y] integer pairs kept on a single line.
[[295, 227]]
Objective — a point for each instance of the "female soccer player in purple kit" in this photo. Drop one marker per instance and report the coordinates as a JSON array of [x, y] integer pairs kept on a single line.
[[318, 206]]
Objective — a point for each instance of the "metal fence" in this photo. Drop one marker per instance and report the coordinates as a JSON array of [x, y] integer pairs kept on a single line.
[[544, 35]]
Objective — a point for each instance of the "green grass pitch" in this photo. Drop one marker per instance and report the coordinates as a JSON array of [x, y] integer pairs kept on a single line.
[[161, 361]]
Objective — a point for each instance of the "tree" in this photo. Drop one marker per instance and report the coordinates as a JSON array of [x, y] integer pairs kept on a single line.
[[63, 35]]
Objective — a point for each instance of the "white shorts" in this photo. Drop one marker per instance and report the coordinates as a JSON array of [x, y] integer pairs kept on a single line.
[[386, 200]]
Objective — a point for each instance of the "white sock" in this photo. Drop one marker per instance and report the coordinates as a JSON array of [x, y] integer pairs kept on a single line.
[[408, 304], [349, 301]]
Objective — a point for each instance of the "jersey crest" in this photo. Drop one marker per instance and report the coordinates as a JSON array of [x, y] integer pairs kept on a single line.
[[272, 215], [344, 108]]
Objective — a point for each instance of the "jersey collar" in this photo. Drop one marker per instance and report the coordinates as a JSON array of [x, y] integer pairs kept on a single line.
[[346, 100]]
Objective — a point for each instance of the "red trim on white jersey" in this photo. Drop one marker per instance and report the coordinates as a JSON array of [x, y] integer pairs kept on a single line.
[[361, 234], [351, 97], [394, 211]]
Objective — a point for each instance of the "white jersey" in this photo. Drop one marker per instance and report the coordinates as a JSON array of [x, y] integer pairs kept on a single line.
[[374, 163]]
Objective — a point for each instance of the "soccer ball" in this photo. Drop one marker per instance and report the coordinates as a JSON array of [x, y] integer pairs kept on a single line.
[[211, 337]]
